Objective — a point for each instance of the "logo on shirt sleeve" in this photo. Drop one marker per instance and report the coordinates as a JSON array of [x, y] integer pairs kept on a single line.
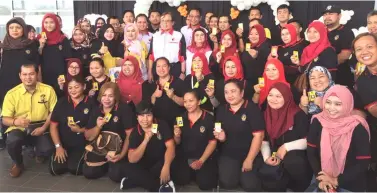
[[86, 111], [115, 119], [336, 37], [60, 47], [27, 51]]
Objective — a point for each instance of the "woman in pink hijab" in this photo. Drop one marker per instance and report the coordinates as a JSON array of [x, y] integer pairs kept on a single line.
[[338, 144]]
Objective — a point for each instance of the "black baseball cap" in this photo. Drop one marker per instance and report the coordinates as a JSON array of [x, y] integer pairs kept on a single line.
[[332, 9]]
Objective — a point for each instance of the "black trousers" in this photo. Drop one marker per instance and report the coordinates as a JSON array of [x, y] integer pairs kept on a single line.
[[112, 169], [73, 164], [230, 174], [297, 174], [206, 177], [17, 138]]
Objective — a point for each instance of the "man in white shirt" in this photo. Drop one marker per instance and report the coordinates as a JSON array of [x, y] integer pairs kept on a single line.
[[170, 44], [194, 17], [142, 25]]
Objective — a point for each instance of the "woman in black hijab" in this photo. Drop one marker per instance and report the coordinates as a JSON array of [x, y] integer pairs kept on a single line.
[[17, 50], [106, 35]]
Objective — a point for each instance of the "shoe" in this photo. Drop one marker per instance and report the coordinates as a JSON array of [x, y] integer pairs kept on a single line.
[[40, 159], [126, 184], [16, 170], [168, 187]]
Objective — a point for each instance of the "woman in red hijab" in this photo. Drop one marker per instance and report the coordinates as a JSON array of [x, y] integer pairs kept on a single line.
[[232, 70], [130, 81], [227, 48], [199, 79], [256, 52], [54, 48], [287, 127], [290, 50], [319, 52], [199, 44], [74, 68]]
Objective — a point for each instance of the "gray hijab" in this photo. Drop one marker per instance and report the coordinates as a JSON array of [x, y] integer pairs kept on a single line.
[[10, 43]]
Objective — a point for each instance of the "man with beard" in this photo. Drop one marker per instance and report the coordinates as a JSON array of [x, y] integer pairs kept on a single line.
[[154, 20], [341, 39]]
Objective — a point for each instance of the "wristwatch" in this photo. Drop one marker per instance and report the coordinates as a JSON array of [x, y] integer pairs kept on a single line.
[[57, 145]]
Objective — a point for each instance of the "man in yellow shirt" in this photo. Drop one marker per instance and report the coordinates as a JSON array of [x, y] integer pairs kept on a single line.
[[26, 110]]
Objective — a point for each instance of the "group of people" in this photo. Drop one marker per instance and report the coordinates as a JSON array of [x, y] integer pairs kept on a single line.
[[255, 107]]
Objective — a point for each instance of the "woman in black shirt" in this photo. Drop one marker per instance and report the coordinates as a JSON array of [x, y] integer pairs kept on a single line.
[[291, 48], [194, 132], [68, 123], [338, 144], [254, 59], [74, 68], [17, 49], [240, 129], [112, 116], [54, 48], [81, 48], [287, 127], [96, 79]]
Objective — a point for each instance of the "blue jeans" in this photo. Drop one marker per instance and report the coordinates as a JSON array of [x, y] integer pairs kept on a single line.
[[314, 187]]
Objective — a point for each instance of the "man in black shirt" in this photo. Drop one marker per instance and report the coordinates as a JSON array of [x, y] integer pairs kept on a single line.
[[283, 14], [341, 39], [154, 21]]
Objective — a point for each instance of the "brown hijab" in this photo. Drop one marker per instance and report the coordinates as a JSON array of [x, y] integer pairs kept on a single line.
[[10, 43]]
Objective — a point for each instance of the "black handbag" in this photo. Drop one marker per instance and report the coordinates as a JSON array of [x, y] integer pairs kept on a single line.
[[268, 172]]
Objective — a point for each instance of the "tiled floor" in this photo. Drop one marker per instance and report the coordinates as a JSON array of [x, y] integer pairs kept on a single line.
[[37, 179]]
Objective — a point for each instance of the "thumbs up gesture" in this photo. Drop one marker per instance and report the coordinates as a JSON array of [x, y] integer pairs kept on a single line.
[[304, 101], [104, 49]]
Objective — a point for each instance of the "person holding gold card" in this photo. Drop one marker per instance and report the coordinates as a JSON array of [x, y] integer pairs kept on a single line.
[[74, 68], [96, 79], [200, 79]]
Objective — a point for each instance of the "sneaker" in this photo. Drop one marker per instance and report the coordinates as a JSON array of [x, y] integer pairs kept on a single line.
[[126, 184], [40, 159], [16, 170], [168, 187]]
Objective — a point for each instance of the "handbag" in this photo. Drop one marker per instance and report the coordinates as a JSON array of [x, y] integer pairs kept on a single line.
[[301, 82]]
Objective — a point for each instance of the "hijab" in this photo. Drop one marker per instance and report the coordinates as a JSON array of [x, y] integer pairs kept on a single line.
[[268, 83], [278, 121], [261, 33], [10, 43], [56, 36], [90, 35], [237, 62], [204, 48], [111, 44], [95, 23], [205, 69], [337, 132], [230, 51], [69, 76], [314, 49], [75, 45], [292, 31], [313, 108], [134, 46], [131, 86]]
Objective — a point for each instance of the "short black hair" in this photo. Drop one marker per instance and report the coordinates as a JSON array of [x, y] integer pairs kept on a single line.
[[284, 6], [227, 16], [372, 13], [128, 11], [196, 9], [363, 35], [295, 21], [212, 16], [255, 8], [256, 19], [154, 11], [141, 15], [111, 17], [163, 58], [195, 93], [28, 65], [30, 28], [99, 60], [237, 82], [144, 107], [78, 79]]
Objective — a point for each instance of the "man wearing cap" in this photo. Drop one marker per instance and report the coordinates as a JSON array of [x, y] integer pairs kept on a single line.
[[341, 39]]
